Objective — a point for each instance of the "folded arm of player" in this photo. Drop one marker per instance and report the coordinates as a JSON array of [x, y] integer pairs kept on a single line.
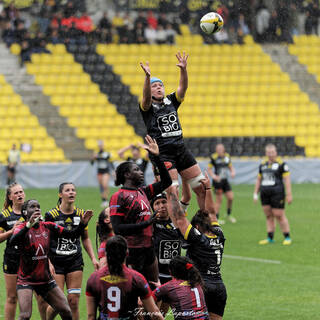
[[127, 229]]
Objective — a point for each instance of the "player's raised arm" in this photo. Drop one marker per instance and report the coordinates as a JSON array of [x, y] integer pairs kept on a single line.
[[146, 97], [183, 83]]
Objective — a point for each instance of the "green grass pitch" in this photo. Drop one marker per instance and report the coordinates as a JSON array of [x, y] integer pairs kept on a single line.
[[278, 283]]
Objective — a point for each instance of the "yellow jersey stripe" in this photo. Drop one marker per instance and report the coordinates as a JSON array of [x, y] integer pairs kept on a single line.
[[187, 232]]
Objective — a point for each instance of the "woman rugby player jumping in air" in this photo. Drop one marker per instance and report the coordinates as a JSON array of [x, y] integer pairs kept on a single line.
[[160, 116]]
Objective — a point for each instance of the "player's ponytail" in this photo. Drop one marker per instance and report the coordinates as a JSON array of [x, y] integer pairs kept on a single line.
[[7, 201], [116, 252], [121, 170], [102, 229], [182, 268]]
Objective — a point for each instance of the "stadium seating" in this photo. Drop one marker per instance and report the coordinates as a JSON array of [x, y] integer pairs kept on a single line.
[[307, 50], [234, 92], [80, 100], [19, 126]]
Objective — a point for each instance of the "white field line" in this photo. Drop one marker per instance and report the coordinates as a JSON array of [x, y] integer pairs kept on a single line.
[[251, 259]]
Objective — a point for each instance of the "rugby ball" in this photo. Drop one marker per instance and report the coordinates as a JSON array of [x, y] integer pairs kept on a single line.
[[211, 23]]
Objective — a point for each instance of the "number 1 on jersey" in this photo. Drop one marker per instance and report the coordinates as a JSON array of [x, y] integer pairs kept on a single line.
[[197, 296]]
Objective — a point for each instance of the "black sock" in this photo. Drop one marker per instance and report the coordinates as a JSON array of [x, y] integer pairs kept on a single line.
[[103, 199], [270, 235], [228, 211], [286, 234], [217, 215]]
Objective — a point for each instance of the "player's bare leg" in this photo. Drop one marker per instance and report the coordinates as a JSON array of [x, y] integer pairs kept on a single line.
[[219, 196], [270, 225], [59, 303], [42, 306], [214, 316], [280, 215], [151, 272], [25, 303], [229, 196], [74, 281], [193, 175], [11, 300], [60, 280]]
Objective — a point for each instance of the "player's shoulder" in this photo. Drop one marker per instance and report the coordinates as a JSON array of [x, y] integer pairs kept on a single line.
[[214, 156], [54, 212], [79, 211], [6, 212], [264, 161], [280, 160]]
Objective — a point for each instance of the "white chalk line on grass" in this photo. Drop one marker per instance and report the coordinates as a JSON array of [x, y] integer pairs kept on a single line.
[[251, 259]]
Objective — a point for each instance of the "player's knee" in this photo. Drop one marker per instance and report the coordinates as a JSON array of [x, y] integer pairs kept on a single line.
[[195, 183], [175, 184], [73, 298], [230, 197], [12, 299], [65, 312], [25, 315]]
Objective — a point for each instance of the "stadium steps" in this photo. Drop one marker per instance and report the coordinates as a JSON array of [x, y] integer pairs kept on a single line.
[[297, 71], [31, 94], [110, 84], [78, 100]]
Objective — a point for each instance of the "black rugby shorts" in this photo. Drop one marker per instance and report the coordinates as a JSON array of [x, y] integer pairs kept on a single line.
[[273, 197], [67, 264], [216, 297], [176, 157], [10, 264], [223, 185]]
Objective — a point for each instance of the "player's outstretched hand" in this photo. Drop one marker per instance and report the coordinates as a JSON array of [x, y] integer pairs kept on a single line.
[[182, 60], [87, 216], [151, 145], [146, 68]]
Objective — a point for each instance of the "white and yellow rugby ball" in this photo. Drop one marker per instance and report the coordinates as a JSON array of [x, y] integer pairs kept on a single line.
[[211, 23]]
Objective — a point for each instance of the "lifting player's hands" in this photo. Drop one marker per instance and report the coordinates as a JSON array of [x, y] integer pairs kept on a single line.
[[151, 145], [146, 68], [85, 218], [206, 182], [182, 60]]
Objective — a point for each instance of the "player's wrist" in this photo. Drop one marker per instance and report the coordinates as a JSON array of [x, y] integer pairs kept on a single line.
[[255, 196]]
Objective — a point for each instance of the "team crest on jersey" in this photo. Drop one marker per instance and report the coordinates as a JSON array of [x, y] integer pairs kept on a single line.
[[113, 279], [275, 166]]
